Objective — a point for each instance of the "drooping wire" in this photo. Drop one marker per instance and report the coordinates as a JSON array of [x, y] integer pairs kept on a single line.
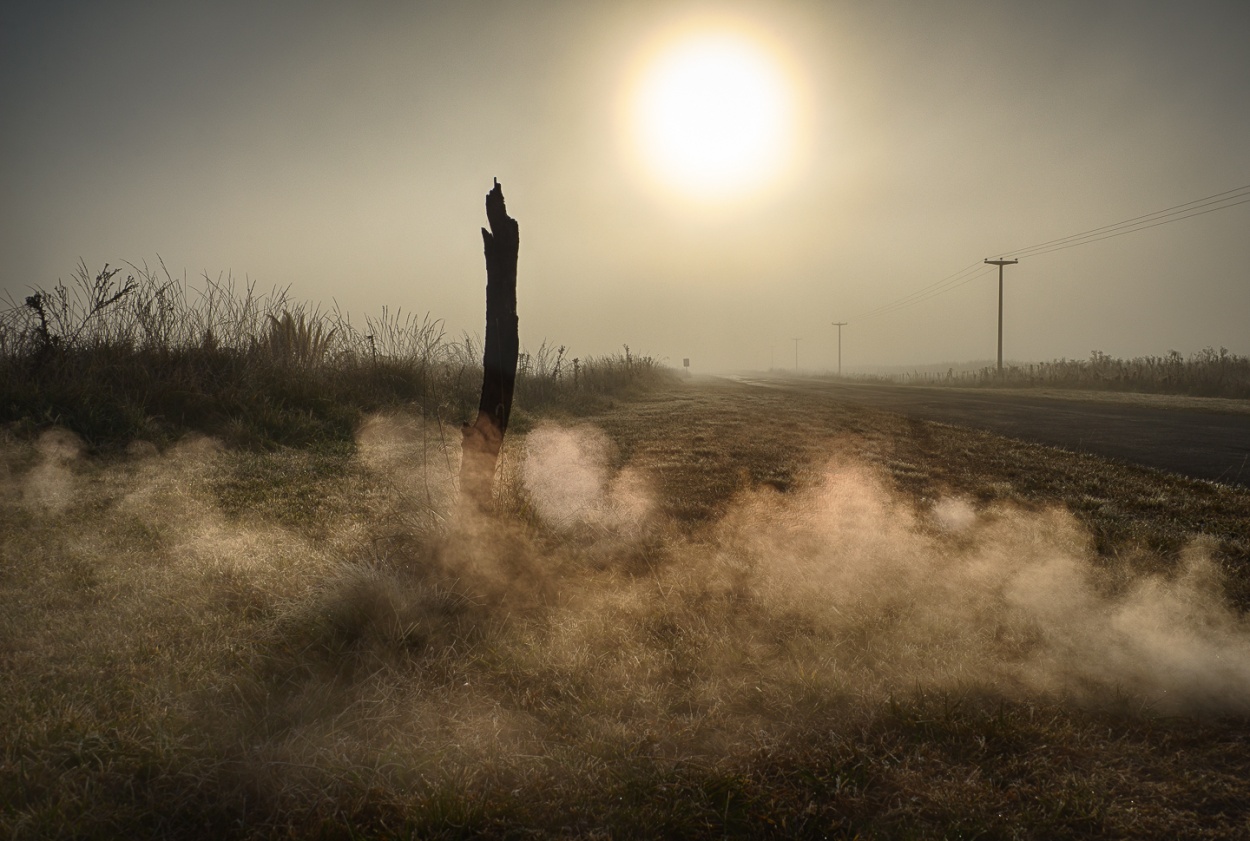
[[944, 285], [1072, 242], [1175, 213]]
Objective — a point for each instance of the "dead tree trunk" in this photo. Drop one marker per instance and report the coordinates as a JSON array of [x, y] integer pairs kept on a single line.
[[484, 437]]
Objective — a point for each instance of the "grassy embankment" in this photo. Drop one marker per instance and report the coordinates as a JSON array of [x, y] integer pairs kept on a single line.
[[1207, 373], [705, 611]]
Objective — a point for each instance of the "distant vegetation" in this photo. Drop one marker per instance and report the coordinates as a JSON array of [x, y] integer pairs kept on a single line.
[[150, 357], [1208, 373]]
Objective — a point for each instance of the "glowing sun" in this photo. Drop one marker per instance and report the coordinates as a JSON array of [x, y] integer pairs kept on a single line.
[[712, 115]]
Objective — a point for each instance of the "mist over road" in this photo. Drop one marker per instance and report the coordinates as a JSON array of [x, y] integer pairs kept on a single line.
[[1194, 442]]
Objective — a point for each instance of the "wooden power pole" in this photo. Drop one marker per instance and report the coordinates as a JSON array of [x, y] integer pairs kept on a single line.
[[1000, 264], [484, 437], [839, 325]]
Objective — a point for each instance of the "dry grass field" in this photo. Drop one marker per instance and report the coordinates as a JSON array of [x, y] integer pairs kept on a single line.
[[706, 611], [1209, 372]]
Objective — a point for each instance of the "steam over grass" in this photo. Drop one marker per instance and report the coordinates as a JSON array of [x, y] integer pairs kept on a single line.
[[224, 643], [705, 613]]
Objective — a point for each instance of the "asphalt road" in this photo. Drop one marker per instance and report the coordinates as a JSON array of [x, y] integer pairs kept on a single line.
[[1202, 444]]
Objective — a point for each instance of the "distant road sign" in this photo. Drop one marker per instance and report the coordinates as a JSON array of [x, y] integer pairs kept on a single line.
[[686, 362]]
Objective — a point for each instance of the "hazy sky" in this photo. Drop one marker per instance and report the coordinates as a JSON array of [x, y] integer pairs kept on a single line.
[[345, 150]]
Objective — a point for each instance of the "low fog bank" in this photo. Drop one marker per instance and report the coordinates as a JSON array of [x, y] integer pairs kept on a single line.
[[877, 597], [387, 629]]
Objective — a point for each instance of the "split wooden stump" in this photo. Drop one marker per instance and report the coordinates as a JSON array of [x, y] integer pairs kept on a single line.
[[483, 437]]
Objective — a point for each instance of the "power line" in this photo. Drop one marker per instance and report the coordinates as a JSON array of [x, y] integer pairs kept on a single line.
[[1139, 227], [1175, 213], [901, 304], [920, 294]]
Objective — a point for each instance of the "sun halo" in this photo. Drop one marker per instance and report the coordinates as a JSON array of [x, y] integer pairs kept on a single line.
[[712, 115]]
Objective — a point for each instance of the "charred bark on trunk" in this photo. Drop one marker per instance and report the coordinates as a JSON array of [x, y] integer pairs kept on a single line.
[[483, 438]]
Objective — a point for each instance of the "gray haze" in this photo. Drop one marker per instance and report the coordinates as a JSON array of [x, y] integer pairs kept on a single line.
[[345, 151]]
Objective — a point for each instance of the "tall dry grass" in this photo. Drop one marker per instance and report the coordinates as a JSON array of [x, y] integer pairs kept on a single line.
[[1207, 373], [139, 353]]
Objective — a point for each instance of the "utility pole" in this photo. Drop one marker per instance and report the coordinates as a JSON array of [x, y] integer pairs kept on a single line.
[[839, 325], [796, 355], [1000, 264]]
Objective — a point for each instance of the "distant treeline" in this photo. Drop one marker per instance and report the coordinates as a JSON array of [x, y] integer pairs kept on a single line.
[[151, 357], [1207, 373]]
